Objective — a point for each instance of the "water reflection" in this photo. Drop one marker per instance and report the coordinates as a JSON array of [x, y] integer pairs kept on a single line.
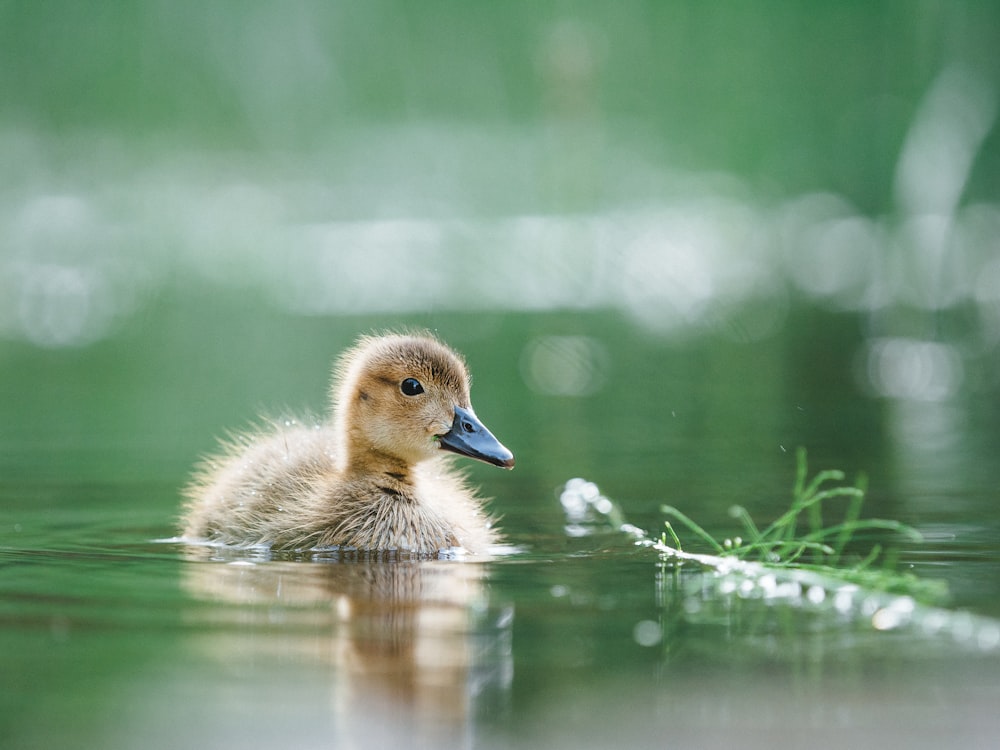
[[809, 603], [903, 368], [414, 650]]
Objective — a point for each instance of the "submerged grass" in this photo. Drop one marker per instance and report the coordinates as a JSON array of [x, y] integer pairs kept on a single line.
[[799, 540]]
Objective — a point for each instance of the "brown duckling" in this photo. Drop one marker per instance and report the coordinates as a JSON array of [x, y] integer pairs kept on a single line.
[[373, 477]]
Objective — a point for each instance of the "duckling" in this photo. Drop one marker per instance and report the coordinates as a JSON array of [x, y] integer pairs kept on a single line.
[[371, 477]]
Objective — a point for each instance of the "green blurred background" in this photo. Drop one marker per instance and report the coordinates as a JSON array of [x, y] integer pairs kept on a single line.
[[675, 240]]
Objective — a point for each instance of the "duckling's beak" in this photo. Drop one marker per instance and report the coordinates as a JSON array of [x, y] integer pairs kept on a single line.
[[469, 437]]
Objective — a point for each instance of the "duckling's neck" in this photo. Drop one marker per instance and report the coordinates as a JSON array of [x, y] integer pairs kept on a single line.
[[392, 470], [361, 460]]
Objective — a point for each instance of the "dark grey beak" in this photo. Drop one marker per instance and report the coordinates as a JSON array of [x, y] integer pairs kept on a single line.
[[469, 437]]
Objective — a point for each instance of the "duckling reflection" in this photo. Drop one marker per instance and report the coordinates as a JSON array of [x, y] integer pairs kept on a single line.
[[371, 478], [413, 649]]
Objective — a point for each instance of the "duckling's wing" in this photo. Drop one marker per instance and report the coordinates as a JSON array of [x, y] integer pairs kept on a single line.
[[251, 489]]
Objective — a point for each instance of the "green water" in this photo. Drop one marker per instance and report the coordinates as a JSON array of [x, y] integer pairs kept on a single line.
[[674, 243], [568, 640]]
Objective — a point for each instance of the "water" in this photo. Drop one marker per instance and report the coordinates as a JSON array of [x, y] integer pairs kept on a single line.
[[131, 641], [567, 639], [675, 244]]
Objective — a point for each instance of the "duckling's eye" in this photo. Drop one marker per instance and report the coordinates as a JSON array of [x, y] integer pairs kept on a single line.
[[411, 387]]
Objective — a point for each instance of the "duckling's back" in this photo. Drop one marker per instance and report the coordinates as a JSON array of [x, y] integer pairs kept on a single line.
[[260, 483]]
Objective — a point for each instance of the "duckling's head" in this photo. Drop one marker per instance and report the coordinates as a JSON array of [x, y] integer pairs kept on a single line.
[[407, 397]]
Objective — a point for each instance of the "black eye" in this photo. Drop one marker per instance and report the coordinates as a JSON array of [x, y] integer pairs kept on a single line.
[[411, 387]]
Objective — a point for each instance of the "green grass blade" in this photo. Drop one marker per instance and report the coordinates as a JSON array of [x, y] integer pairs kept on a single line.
[[831, 475], [673, 536], [753, 533], [801, 468], [868, 523], [850, 517], [672, 511]]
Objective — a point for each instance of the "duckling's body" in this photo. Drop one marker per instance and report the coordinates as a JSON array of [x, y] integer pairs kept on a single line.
[[373, 477]]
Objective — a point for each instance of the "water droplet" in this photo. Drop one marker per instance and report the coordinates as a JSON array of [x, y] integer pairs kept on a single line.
[[886, 619], [816, 594], [843, 600], [603, 506]]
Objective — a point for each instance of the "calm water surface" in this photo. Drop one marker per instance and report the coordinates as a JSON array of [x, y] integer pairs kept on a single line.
[[114, 636]]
